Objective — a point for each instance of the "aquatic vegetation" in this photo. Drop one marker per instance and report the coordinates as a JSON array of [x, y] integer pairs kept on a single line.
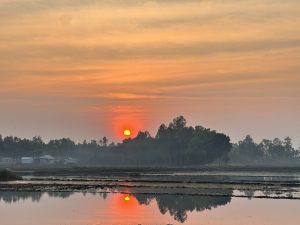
[[6, 175]]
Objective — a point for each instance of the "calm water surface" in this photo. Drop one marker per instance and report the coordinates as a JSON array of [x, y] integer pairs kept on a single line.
[[33, 208]]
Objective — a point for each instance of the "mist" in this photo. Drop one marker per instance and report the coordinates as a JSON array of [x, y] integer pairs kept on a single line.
[[175, 145]]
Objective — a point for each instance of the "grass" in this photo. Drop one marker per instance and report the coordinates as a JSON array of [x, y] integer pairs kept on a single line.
[[6, 175], [139, 171]]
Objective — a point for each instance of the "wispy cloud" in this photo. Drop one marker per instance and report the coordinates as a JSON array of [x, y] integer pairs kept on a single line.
[[145, 51], [121, 60]]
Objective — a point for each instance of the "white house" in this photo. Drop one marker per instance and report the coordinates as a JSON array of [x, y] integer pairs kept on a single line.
[[47, 159], [27, 160], [6, 161], [70, 161]]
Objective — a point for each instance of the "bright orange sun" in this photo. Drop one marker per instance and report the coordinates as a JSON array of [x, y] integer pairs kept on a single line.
[[127, 198], [127, 133]]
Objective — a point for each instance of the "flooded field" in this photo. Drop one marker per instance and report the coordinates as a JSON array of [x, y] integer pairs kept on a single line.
[[152, 198], [60, 208]]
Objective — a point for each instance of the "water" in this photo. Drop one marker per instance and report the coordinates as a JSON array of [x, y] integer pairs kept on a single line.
[[59, 208], [195, 198]]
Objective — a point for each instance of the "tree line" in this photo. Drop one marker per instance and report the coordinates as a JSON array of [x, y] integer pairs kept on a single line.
[[175, 144], [266, 152]]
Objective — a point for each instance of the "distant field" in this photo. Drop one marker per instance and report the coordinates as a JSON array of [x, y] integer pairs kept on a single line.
[[131, 170]]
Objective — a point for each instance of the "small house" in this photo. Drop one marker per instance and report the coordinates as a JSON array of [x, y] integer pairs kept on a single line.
[[47, 160], [70, 161], [27, 160], [6, 161]]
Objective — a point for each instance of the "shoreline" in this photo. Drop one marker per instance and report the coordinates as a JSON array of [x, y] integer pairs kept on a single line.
[[69, 171]]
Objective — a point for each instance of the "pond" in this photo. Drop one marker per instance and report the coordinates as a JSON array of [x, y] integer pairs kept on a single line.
[[77, 208]]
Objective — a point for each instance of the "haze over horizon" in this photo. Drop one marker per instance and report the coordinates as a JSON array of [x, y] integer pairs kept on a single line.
[[88, 69]]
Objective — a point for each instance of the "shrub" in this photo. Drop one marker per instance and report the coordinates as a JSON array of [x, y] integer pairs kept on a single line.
[[6, 175]]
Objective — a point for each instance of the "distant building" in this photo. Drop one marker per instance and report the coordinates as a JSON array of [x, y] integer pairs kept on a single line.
[[70, 161], [47, 159], [6, 161], [27, 160]]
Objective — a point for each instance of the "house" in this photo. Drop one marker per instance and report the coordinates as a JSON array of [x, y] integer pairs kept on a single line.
[[6, 161], [47, 159], [70, 161], [27, 160]]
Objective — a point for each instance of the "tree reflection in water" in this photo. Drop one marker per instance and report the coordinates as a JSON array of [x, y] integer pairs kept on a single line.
[[13, 197], [177, 205]]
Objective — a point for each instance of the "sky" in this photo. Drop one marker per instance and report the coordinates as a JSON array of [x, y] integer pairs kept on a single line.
[[85, 69]]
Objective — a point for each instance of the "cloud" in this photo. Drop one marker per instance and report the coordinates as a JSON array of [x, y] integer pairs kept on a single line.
[[144, 51]]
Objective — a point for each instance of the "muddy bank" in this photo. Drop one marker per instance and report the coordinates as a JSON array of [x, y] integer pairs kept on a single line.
[[280, 190], [250, 182]]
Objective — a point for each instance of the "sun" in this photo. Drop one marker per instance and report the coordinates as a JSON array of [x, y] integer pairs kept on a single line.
[[127, 132], [127, 198]]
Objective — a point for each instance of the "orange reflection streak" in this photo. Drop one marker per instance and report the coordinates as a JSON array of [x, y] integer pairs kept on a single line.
[[127, 198], [126, 205]]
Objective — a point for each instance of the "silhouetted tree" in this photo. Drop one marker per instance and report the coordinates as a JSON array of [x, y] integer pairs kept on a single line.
[[174, 145], [103, 142], [266, 152], [249, 150]]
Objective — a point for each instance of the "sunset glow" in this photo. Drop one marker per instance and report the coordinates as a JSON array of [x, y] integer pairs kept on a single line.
[[125, 204], [86, 69], [149, 112]]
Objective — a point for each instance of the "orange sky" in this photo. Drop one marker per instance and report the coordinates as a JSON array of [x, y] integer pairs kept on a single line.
[[85, 69]]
